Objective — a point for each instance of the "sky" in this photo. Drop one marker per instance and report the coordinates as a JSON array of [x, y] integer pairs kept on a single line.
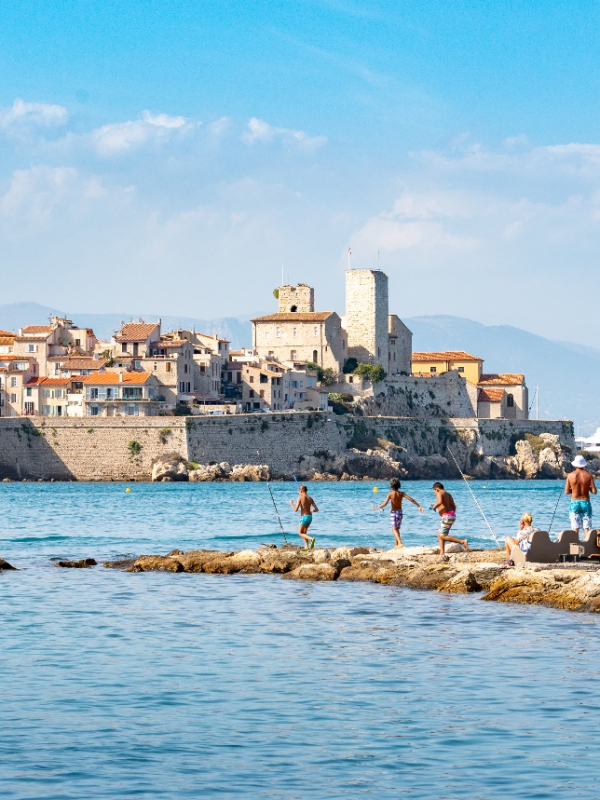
[[170, 156]]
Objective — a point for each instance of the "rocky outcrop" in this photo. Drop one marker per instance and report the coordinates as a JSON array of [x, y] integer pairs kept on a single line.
[[4, 565], [83, 563], [169, 467], [225, 472]]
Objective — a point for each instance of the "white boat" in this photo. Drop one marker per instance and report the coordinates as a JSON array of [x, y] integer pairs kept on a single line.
[[589, 443]]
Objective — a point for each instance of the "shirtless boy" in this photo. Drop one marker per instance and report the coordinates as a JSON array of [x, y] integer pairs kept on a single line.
[[444, 503], [307, 505], [395, 497], [579, 485]]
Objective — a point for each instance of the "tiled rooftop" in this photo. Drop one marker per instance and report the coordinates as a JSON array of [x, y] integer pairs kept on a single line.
[[490, 395], [83, 363], [129, 378], [502, 379], [445, 355], [300, 316], [136, 331]]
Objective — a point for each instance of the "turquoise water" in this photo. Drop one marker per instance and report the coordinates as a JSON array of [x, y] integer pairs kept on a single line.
[[81, 519], [117, 685]]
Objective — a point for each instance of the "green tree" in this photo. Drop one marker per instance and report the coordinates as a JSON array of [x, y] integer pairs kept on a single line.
[[372, 372]]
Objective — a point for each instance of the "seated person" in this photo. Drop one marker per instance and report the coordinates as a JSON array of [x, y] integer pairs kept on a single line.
[[522, 540]]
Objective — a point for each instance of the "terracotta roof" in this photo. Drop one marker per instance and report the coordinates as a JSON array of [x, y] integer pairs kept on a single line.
[[131, 378], [36, 329], [16, 358], [445, 355], [83, 363], [490, 395], [7, 335], [300, 316], [503, 379], [48, 381], [136, 331]]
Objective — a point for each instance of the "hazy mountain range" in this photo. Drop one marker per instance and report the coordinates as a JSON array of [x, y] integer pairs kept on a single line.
[[568, 375]]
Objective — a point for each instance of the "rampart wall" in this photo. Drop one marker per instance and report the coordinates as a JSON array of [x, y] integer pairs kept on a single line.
[[124, 448]]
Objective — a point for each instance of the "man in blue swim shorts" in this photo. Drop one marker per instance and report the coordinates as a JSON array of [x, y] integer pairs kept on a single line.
[[307, 505], [579, 485]]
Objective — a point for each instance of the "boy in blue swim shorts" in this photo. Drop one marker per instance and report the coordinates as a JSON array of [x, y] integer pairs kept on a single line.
[[307, 505], [580, 484]]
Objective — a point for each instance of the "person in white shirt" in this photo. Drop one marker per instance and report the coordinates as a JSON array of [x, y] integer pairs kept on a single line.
[[522, 539]]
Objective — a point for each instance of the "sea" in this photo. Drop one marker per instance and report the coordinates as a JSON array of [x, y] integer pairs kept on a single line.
[[151, 685]]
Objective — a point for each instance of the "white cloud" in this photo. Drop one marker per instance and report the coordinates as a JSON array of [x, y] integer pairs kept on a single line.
[[122, 137], [40, 114], [260, 131]]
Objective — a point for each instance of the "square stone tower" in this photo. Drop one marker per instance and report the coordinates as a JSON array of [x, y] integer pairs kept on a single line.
[[367, 314], [299, 298]]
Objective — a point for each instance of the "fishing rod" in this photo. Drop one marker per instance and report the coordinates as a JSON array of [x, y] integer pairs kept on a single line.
[[473, 496], [555, 510], [274, 505]]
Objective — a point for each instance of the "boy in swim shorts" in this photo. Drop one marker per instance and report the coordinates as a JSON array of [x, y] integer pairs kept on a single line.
[[395, 497], [444, 503], [307, 505]]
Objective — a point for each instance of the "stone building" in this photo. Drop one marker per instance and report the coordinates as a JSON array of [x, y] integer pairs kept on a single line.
[[297, 333], [495, 395], [300, 336]]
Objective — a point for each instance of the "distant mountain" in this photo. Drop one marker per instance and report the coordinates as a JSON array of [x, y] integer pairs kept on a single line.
[[17, 315], [568, 374]]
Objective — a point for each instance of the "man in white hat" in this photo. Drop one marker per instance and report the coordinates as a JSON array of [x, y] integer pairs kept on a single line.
[[579, 485]]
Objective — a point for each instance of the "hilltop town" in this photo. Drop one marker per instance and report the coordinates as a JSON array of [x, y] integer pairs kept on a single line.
[[300, 359]]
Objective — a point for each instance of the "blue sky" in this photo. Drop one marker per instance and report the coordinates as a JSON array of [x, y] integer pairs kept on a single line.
[[171, 156]]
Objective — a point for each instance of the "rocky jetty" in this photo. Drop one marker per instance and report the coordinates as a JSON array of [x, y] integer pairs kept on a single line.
[[571, 586], [568, 586]]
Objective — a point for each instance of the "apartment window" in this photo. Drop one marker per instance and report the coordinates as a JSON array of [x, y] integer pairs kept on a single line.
[[315, 357], [32, 348], [13, 398], [109, 393], [293, 355], [316, 330], [94, 411], [132, 410], [28, 392], [379, 352], [168, 367], [262, 393], [29, 409], [432, 369], [185, 368], [13, 381], [123, 347], [510, 401], [294, 332], [350, 379], [278, 331], [155, 366], [46, 411], [251, 378], [77, 342], [59, 393], [461, 369], [251, 393], [93, 394]]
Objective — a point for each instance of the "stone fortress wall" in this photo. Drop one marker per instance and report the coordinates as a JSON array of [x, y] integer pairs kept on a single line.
[[123, 448]]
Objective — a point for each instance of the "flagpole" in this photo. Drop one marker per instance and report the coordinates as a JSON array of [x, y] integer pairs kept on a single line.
[[349, 258]]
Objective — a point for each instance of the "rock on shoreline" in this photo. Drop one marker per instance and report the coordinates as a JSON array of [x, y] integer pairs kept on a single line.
[[535, 457]]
